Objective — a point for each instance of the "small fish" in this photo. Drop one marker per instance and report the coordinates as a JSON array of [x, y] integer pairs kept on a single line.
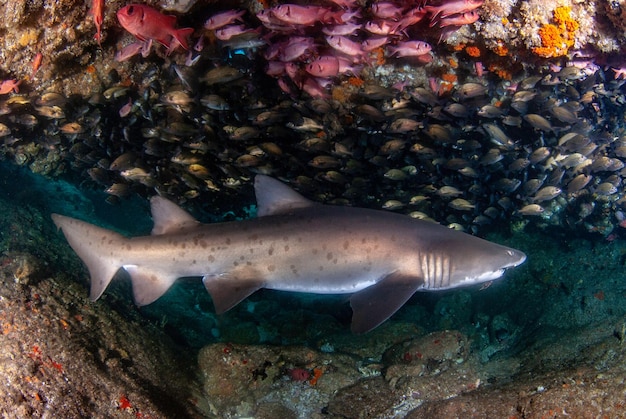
[[146, 23], [347, 46], [546, 193], [97, 11], [324, 66], [7, 85], [471, 90], [498, 136], [461, 204], [294, 14], [395, 174], [410, 49], [531, 209], [37, 60], [449, 8], [448, 192], [224, 18], [392, 205], [221, 75], [538, 122], [605, 189], [578, 183], [4, 130], [466, 18]]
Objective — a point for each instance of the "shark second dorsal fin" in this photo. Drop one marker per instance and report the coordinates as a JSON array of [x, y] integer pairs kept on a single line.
[[274, 197], [169, 217]]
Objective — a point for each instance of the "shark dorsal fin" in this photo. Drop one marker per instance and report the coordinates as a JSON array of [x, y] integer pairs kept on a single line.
[[169, 217], [274, 197]]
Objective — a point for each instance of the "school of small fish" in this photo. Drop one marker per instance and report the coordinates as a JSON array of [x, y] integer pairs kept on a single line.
[[280, 99]]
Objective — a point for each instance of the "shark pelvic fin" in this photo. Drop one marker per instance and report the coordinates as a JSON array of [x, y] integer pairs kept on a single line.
[[169, 217], [148, 285], [274, 197], [229, 289], [375, 304]]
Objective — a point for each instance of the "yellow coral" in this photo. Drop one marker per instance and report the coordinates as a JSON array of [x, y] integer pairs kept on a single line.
[[563, 17], [557, 38]]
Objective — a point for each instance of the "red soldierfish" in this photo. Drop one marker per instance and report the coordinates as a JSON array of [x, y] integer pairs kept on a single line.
[[146, 23], [324, 66], [294, 14], [459, 20], [410, 49], [453, 7], [97, 11], [7, 85], [346, 46], [225, 18]]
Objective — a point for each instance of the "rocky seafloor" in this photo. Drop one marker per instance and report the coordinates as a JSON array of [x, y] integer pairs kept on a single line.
[[545, 341]]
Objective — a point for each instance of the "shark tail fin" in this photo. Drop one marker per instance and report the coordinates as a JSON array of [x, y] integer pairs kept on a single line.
[[89, 242]]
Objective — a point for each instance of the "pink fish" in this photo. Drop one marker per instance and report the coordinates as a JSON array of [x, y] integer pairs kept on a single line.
[[381, 27], [294, 14], [227, 32], [410, 49], [448, 8], [411, 17], [620, 72], [133, 49], [459, 20], [346, 46], [370, 44], [97, 11], [346, 67], [220, 20], [296, 48], [37, 60], [275, 68], [324, 66], [314, 88], [386, 10], [7, 85], [146, 23], [346, 4], [346, 29]]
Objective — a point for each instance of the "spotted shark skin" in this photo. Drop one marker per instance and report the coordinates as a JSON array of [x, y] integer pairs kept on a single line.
[[294, 244]]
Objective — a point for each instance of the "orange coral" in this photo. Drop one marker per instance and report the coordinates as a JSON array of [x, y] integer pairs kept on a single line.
[[356, 81], [317, 373], [503, 73], [473, 51], [558, 38], [449, 77], [501, 50], [458, 47]]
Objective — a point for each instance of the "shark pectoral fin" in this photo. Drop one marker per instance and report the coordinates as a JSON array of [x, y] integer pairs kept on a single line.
[[375, 304], [148, 285], [229, 289]]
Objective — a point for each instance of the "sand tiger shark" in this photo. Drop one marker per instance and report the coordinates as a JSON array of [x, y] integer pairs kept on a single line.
[[381, 258]]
